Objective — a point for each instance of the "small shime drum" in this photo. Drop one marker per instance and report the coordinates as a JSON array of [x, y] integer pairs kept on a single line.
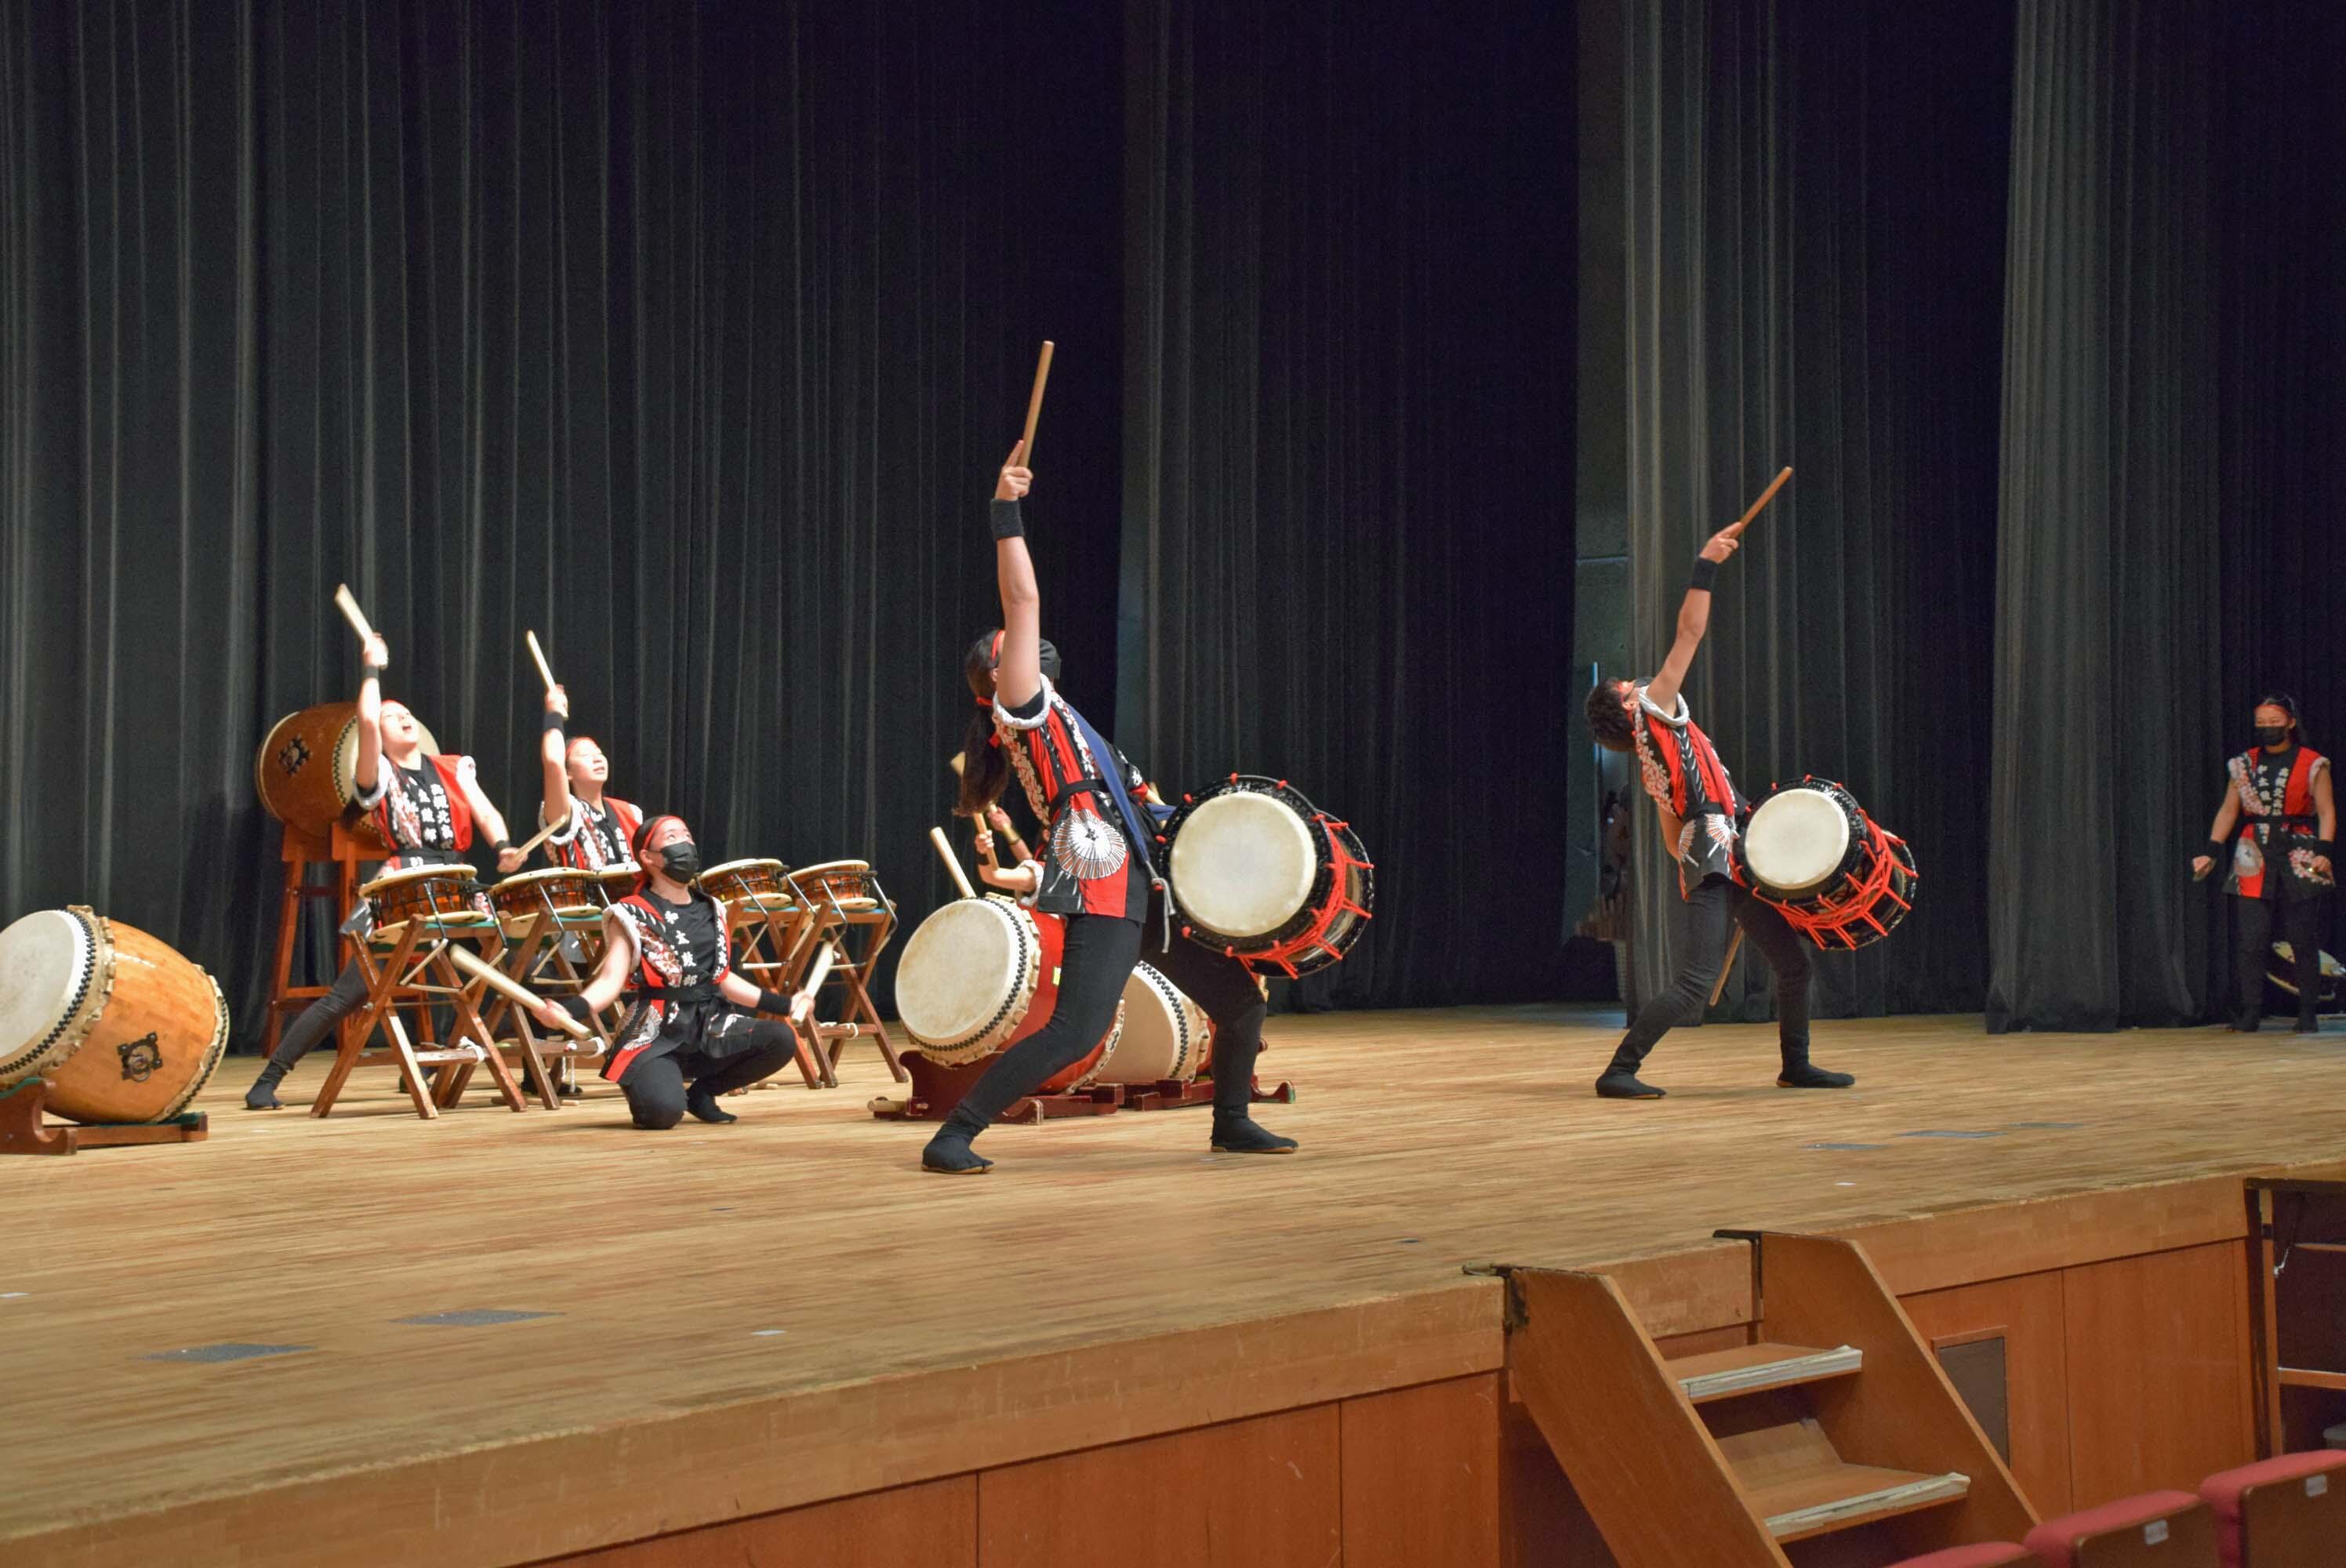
[[1166, 1037], [1841, 878], [981, 974], [564, 893], [436, 895], [748, 889], [1262, 874], [124, 1029], [303, 771], [846, 884]]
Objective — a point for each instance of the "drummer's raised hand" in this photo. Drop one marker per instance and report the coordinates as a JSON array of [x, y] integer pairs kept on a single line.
[[557, 702], [1015, 479], [375, 654], [1723, 543], [985, 846]]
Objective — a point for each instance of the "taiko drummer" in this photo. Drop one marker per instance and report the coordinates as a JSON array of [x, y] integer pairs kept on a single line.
[[430, 808], [1095, 869], [1701, 813]]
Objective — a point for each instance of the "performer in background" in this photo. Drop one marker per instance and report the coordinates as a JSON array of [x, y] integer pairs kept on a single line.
[[2279, 795], [1701, 814], [596, 828], [1095, 870], [430, 808], [691, 1019]]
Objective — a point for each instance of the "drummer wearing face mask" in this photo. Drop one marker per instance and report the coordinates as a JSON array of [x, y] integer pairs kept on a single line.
[[692, 1022], [430, 808], [2279, 796]]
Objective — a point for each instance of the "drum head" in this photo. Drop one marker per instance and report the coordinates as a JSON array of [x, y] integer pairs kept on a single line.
[[773, 869], [1162, 1031], [1243, 864], [1799, 839], [964, 971], [46, 962], [407, 874]]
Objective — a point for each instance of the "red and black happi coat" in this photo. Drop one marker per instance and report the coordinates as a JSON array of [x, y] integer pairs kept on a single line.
[[1090, 865], [2279, 830], [595, 840], [1681, 772], [422, 812], [681, 952]]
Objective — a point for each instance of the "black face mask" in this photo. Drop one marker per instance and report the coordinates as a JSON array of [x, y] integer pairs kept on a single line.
[[2273, 736], [680, 861]]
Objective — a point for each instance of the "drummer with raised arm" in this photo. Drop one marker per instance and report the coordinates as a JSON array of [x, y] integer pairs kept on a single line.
[[1701, 813], [429, 808], [592, 828]]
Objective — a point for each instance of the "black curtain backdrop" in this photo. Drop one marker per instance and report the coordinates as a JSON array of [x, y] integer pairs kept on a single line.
[[1348, 451], [2170, 479], [691, 337], [1816, 205]]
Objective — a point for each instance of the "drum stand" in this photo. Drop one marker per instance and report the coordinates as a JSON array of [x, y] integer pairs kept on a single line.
[[938, 1088], [541, 961], [407, 965], [300, 852], [22, 1130], [772, 950], [829, 920]]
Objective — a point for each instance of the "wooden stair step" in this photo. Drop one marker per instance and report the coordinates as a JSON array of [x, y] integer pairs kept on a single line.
[[1749, 1369], [1797, 1486]]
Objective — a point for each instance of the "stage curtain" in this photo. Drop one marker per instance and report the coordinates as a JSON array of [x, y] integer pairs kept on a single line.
[[1346, 542], [1816, 198], [689, 336]]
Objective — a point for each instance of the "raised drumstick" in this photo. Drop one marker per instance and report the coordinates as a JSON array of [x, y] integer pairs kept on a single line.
[[953, 864], [351, 611], [543, 834], [539, 655], [1035, 405], [497, 980], [1765, 497]]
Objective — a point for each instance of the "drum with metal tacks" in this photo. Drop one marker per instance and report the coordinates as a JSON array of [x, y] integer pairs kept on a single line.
[[1262, 874], [982, 974], [304, 769], [124, 1028]]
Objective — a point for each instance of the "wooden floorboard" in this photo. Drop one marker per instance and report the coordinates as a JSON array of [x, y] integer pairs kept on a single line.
[[801, 1254]]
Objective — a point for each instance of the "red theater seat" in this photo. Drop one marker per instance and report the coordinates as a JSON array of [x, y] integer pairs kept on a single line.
[[2287, 1511], [1984, 1554], [2157, 1530]]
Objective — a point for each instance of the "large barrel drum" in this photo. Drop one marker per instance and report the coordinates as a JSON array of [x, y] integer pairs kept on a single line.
[[124, 1028], [302, 772]]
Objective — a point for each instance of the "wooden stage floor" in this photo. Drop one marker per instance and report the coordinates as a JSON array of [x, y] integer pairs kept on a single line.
[[747, 1318]]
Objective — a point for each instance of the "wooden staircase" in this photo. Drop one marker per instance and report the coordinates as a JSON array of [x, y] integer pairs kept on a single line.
[[1832, 1440]]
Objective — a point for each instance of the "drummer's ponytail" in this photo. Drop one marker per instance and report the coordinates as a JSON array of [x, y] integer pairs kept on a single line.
[[983, 769], [1607, 719]]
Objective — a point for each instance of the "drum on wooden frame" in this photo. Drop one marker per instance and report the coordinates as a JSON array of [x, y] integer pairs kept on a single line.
[[303, 770], [749, 889], [437, 895], [1262, 874], [982, 974], [850, 884], [124, 1028], [521, 898]]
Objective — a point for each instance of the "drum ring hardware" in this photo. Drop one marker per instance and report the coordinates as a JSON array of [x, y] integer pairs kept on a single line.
[[140, 1057]]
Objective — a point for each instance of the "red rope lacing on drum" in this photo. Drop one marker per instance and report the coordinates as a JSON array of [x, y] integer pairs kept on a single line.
[[1340, 862], [1842, 912]]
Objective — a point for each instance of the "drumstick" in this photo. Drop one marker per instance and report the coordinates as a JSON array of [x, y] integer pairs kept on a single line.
[[953, 864], [497, 980], [352, 612], [539, 655], [821, 970], [1718, 986], [543, 834], [1035, 405], [1765, 497]]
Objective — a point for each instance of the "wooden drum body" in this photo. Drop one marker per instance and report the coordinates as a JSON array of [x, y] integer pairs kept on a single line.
[[524, 896], [1264, 876], [436, 895], [982, 974], [846, 884], [749, 889], [303, 771], [124, 1029]]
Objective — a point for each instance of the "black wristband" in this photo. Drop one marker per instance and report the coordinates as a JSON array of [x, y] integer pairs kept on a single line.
[[2325, 847], [1007, 524], [553, 722], [1706, 573], [2219, 852], [773, 1002], [502, 845]]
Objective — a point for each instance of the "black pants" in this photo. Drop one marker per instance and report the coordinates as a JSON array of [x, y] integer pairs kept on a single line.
[[1714, 907], [1098, 958], [2301, 922], [655, 1084], [317, 1020]]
